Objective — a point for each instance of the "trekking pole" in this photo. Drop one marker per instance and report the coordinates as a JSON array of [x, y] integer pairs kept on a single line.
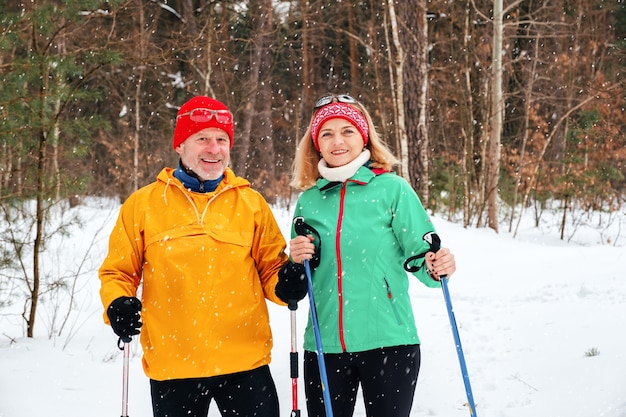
[[293, 360], [435, 244], [318, 344], [459, 348], [301, 230], [126, 348]]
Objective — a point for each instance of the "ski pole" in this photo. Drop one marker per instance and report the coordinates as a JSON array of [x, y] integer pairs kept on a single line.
[[126, 349], [293, 360], [301, 230], [318, 343], [459, 348], [435, 244]]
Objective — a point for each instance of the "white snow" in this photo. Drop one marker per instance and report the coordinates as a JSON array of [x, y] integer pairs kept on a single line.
[[530, 312]]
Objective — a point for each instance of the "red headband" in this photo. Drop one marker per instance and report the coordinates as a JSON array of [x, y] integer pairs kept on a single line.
[[342, 111]]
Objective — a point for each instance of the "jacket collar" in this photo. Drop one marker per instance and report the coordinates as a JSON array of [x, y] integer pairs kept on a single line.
[[230, 180], [362, 176], [191, 181]]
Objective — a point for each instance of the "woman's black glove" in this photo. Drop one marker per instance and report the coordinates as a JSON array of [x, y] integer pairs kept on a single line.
[[124, 316], [292, 284]]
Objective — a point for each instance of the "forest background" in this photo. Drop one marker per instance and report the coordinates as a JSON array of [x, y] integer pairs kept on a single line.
[[90, 89]]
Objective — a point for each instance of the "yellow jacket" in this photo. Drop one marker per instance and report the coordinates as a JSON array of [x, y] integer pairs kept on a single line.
[[206, 263]]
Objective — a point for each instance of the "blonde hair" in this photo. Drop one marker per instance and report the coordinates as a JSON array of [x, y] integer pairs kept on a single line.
[[304, 168]]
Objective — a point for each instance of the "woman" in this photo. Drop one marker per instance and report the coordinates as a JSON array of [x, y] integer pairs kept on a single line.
[[365, 222]]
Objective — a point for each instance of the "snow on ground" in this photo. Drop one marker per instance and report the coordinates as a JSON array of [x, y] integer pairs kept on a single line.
[[531, 312]]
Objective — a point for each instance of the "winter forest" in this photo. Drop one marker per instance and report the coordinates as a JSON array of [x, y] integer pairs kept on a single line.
[[497, 109]]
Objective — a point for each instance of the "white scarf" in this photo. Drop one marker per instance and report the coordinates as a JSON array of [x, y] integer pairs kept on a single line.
[[343, 172]]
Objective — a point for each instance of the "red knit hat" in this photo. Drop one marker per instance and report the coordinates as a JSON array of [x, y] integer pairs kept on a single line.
[[200, 113]]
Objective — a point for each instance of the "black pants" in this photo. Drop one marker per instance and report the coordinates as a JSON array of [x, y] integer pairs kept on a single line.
[[387, 377], [243, 394]]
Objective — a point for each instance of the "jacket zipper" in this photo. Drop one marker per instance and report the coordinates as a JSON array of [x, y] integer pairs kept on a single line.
[[342, 197], [390, 297], [339, 266]]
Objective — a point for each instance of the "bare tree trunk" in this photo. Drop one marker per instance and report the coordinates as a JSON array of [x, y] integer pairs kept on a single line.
[[56, 132], [40, 189], [372, 29], [307, 80], [261, 12], [138, 88], [481, 199], [191, 28], [136, 132], [5, 158], [5, 167], [399, 94], [422, 102], [19, 183], [208, 60], [566, 200], [497, 115], [394, 98], [39, 230], [415, 92], [467, 128], [267, 156], [354, 57]]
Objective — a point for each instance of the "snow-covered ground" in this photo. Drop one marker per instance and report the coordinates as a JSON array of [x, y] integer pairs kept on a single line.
[[542, 323]]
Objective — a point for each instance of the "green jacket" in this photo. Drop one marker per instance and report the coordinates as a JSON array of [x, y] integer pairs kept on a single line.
[[368, 226]]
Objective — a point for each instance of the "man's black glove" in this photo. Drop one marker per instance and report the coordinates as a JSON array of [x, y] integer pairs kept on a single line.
[[292, 284], [124, 316]]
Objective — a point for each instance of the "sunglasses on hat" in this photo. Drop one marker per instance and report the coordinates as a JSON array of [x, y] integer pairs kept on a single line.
[[202, 115], [342, 98]]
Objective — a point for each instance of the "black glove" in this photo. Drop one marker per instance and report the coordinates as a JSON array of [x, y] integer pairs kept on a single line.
[[292, 284], [124, 316]]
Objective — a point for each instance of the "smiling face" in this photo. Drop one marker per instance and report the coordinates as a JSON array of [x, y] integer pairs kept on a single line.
[[339, 142], [206, 153]]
